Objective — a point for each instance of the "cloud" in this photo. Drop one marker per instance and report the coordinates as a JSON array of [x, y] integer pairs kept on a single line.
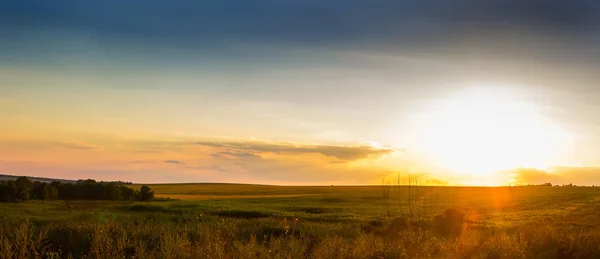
[[75, 146], [286, 171], [225, 169], [257, 162], [345, 153], [147, 151], [236, 154], [142, 162], [177, 162]]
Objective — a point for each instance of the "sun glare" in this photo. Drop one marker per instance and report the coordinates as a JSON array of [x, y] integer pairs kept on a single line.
[[487, 129]]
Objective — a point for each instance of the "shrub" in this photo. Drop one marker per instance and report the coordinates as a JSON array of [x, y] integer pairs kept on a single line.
[[146, 193], [450, 223]]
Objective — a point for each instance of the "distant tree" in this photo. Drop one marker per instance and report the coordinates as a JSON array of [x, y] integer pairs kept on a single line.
[[23, 189], [55, 184], [23, 184], [69, 191], [121, 182], [23, 195], [52, 192], [40, 191], [81, 181], [146, 193], [32, 193], [127, 193], [4, 192], [112, 191], [12, 191]]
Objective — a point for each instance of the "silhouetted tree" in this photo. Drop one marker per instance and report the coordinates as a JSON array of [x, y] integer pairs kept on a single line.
[[127, 193], [23, 195], [88, 181], [40, 191], [112, 191], [146, 193], [55, 184], [52, 193], [23, 183], [23, 189], [8, 191]]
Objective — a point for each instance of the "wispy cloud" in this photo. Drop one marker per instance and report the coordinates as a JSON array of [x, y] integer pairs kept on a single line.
[[147, 151], [142, 162], [288, 171], [236, 154], [346, 153], [75, 146], [177, 162]]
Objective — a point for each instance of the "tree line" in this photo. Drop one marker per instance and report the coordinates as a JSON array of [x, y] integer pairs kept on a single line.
[[23, 189]]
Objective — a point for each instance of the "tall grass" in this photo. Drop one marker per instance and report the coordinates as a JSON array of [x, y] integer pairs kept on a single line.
[[285, 238]]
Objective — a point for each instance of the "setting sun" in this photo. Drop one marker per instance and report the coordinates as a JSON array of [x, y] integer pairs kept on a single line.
[[486, 129]]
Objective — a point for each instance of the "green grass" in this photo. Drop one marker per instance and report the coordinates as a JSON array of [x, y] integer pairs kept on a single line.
[[257, 221]]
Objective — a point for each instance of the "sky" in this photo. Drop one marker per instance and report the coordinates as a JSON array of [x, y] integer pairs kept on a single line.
[[304, 92]]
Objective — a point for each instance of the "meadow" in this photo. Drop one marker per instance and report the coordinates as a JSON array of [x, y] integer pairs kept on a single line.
[[261, 221]]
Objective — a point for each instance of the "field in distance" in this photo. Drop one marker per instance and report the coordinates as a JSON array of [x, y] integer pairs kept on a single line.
[[204, 191], [485, 205]]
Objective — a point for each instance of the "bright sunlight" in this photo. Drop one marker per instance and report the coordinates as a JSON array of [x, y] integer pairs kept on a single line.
[[486, 129]]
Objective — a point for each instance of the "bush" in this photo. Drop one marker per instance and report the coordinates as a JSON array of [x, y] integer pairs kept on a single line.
[[146, 193], [450, 223]]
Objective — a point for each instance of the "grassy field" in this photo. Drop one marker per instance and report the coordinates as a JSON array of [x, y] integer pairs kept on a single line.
[[259, 221]]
